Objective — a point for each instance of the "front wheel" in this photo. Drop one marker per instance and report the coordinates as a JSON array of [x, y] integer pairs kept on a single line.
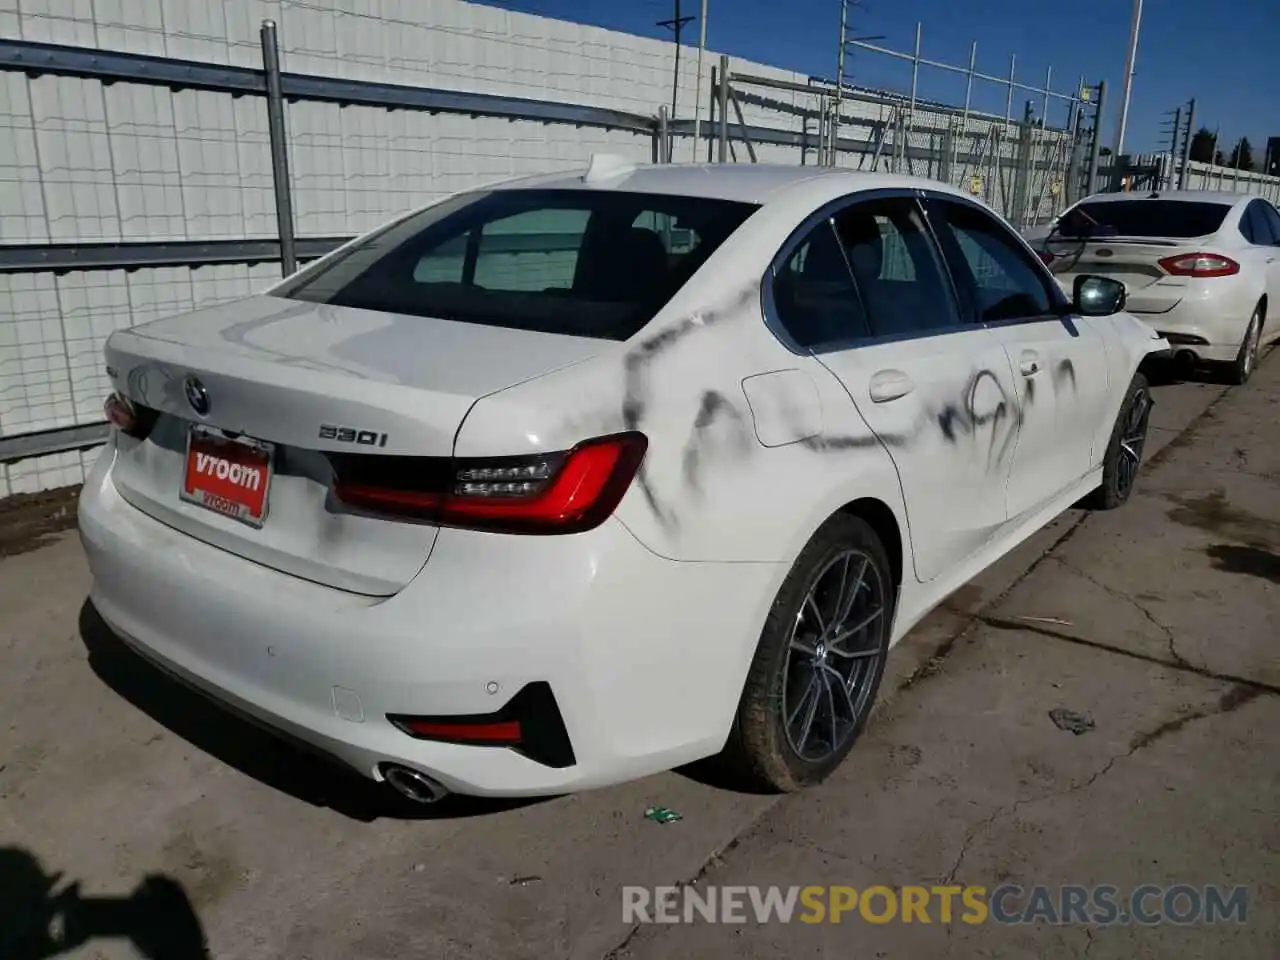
[[819, 661], [1247, 359], [1124, 451]]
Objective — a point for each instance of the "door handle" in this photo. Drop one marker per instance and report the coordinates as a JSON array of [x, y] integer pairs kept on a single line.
[[1029, 364], [890, 385]]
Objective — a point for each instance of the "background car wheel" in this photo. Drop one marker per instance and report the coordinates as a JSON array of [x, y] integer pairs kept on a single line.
[[1247, 359], [1124, 451], [819, 662]]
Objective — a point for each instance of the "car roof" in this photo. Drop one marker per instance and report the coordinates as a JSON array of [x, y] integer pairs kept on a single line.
[[760, 183], [1224, 197]]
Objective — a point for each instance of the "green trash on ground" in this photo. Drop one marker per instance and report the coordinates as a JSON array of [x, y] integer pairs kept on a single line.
[[661, 815]]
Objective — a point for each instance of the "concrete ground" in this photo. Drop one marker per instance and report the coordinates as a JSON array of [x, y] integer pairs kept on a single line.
[[1158, 620]]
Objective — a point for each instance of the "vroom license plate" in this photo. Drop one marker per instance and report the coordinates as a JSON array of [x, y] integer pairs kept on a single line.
[[228, 476]]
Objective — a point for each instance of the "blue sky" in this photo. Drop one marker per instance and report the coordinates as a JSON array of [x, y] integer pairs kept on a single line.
[[1223, 54]]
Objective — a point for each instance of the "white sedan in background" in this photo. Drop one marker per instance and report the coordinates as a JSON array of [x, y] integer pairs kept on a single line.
[[576, 478], [1202, 268]]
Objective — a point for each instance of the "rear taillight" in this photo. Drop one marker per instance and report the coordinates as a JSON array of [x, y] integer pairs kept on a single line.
[[564, 492], [1200, 265], [127, 417]]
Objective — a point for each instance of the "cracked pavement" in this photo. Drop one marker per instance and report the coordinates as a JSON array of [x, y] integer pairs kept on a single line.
[[1157, 620]]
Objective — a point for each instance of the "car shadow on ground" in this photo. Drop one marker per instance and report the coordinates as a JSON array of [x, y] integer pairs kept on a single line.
[[39, 921], [1169, 373], [258, 753]]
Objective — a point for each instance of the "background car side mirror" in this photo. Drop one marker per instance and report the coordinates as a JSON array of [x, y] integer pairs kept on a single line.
[[1097, 296]]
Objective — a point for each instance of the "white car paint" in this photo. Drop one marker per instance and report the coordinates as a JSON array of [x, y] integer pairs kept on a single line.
[[1204, 316], [325, 621]]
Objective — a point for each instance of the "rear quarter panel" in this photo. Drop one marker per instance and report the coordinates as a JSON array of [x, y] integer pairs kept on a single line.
[[709, 488]]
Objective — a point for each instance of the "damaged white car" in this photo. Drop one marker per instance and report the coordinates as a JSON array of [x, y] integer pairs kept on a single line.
[[572, 479]]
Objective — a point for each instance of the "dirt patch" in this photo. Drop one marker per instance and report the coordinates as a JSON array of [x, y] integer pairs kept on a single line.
[[1250, 561], [1212, 512], [28, 521]]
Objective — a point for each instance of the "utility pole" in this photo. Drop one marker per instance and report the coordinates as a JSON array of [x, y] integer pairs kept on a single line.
[[1174, 132], [697, 104], [675, 24], [847, 40], [1185, 171], [1128, 76]]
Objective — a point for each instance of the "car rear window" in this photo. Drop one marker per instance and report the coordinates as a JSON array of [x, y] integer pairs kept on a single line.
[[588, 263], [1175, 219]]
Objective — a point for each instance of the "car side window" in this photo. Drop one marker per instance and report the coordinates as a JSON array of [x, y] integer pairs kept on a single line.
[[1249, 225], [1006, 282], [813, 292], [1259, 226], [1272, 216], [896, 267]]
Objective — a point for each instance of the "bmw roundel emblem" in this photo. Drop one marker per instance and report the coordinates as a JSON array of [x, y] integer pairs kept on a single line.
[[197, 395]]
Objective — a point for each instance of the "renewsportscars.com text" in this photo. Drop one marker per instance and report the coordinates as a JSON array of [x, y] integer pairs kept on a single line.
[[1102, 905]]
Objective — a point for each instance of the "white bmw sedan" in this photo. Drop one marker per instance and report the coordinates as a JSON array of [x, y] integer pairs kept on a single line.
[[572, 479], [1202, 268]]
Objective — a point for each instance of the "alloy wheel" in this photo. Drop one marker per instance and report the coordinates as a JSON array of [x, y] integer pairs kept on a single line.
[[1252, 336], [1133, 439], [833, 654]]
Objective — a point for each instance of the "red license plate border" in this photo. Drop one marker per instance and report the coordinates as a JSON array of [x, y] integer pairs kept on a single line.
[[200, 431]]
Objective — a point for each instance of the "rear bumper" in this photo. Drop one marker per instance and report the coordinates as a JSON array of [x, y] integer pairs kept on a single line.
[[645, 656], [1209, 322]]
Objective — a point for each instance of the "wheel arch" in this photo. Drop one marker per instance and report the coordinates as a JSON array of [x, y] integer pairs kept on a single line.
[[881, 518]]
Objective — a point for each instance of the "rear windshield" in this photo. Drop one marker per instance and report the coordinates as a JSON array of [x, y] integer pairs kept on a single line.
[[588, 263], [1176, 219]]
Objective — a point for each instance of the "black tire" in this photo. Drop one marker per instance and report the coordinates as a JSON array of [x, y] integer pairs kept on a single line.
[[1124, 450], [1246, 360], [761, 751]]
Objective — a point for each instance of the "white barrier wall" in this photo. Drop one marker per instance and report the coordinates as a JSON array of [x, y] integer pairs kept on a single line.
[[80, 161]]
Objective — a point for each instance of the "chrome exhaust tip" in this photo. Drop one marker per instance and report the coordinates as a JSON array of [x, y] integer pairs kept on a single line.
[[410, 783]]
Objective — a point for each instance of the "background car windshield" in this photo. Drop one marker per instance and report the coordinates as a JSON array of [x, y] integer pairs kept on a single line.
[[587, 263], [1177, 219]]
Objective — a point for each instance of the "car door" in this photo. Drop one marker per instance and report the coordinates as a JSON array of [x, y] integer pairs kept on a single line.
[[1060, 360], [934, 389], [1261, 226]]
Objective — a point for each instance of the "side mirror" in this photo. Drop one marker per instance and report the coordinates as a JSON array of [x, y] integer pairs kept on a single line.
[[1097, 296]]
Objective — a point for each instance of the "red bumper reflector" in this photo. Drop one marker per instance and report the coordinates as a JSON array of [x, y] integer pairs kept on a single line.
[[500, 731]]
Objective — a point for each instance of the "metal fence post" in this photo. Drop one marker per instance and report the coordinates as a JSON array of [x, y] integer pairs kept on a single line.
[[279, 147], [723, 94], [911, 114], [1022, 170], [1091, 184], [1184, 175], [664, 137], [968, 98], [711, 115]]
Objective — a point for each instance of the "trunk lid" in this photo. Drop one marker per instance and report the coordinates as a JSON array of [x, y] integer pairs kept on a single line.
[[1135, 262], [311, 380]]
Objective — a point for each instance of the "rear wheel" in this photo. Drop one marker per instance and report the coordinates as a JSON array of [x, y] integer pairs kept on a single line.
[[1247, 358], [1124, 451], [819, 662]]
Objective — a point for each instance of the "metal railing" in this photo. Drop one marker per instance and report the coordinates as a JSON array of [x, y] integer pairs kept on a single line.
[[277, 88], [1024, 167]]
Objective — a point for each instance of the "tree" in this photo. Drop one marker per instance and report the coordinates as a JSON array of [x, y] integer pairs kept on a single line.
[[1202, 145], [1219, 160], [1242, 155], [1104, 152]]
